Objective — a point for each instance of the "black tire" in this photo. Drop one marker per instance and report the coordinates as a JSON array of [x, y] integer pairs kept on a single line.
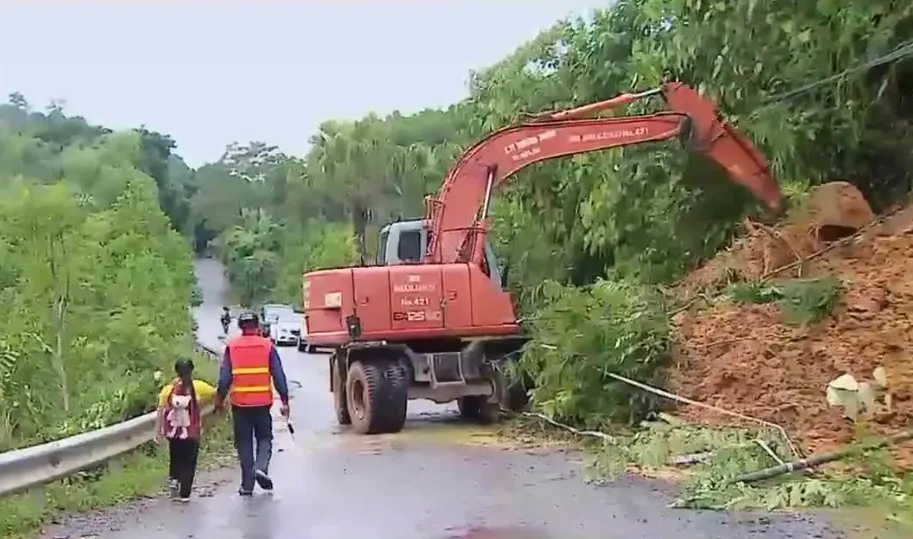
[[302, 346], [375, 398], [478, 408], [469, 407], [517, 398], [340, 405], [396, 402], [364, 385], [512, 395], [311, 349]]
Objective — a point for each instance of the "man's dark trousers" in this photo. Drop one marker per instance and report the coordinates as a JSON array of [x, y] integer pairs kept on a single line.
[[253, 427]]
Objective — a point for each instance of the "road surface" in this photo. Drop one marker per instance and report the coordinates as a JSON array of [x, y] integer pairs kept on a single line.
[[435, 480]]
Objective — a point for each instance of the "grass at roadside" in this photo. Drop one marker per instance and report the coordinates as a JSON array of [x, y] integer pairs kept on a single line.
[[133, 476], [130, 477]]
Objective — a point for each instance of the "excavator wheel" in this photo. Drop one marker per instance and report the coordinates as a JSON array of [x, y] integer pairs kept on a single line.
[[397, 396], [373, 395], [510, 395], [478, 408], [339, 395]]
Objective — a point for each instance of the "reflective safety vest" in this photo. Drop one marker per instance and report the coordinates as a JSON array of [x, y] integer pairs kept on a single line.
[[251, 382]]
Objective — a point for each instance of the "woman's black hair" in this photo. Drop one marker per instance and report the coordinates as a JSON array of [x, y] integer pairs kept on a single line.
[[184, 369]]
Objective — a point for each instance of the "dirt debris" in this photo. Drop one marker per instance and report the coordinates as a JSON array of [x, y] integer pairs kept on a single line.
[[744, 358], [833, 210]]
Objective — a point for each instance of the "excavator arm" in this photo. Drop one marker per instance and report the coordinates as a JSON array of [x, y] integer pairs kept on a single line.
[[458, 215]]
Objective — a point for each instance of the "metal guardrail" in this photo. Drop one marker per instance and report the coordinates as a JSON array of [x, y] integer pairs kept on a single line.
[[41, 464]]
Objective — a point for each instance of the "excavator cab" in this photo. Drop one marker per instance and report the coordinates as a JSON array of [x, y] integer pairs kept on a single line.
[[405, 242]]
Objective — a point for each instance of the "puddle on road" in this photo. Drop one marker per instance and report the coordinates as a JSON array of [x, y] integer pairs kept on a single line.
[[429, 428], [436, 429], [513, 532]]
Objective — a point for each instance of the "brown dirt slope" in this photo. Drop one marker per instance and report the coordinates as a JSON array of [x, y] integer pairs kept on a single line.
[[744, 358]]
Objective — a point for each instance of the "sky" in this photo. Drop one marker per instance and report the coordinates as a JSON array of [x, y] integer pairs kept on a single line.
[[209, 73]]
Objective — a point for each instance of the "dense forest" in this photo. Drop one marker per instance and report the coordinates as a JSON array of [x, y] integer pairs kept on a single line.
[[100, 226]]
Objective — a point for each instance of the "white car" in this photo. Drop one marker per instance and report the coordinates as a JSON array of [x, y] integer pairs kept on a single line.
[[286, 329], [303, 345]]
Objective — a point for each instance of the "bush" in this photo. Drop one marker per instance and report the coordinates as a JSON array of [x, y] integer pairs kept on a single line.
[[580, 335], [803, 301]]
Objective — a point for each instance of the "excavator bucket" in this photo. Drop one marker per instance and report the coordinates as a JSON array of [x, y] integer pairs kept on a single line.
[[714, 137]]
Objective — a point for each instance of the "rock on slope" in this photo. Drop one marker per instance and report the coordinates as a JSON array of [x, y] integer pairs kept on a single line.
[[746, 359]]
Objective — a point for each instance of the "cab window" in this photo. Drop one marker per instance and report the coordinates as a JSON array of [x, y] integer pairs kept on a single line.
[[410, 246], [381, 258]]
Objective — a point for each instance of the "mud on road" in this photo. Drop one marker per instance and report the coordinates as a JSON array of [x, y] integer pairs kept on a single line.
[[438, 479]]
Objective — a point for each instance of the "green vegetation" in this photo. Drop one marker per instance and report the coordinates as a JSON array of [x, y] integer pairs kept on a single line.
[[730, 452], [95, 277], [130, 477], [96, 281], [802, 301]]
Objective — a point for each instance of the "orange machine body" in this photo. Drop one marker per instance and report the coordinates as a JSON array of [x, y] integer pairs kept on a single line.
[[406, 302]]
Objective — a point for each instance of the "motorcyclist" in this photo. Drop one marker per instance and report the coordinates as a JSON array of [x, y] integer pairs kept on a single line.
[[226, 319]]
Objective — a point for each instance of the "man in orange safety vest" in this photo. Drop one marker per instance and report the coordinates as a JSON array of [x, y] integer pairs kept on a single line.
[[250, 367]]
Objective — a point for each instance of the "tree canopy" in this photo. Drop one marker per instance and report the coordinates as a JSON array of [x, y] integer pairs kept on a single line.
[[95, 279]]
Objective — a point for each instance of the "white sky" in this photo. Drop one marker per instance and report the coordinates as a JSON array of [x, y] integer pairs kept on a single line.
[[210, 72]]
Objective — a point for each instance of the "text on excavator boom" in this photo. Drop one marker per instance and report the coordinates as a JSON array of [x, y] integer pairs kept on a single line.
[[458, 214]]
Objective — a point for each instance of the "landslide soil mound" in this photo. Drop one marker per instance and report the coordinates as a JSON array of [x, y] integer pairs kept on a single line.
[[745, 358]]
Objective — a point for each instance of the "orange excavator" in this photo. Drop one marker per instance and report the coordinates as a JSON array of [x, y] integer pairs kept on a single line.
[[431, 319]]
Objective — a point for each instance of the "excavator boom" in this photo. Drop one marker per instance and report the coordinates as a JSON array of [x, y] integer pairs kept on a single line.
[[458, 214]]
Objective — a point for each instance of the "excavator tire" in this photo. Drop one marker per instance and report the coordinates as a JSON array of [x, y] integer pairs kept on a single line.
[[396, 396], [374, 391], [509, 395], [339, 396], [478, 408]]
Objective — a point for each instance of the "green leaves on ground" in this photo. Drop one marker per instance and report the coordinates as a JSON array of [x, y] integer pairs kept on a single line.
[[720, 455], [803, 301]]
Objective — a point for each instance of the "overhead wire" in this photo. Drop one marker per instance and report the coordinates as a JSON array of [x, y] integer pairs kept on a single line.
[[900, 52]]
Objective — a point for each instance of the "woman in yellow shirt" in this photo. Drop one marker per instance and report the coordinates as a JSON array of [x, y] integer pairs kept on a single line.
[[180, 421]]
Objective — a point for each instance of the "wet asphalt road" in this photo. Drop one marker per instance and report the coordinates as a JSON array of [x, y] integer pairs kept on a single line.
[[438, 479]]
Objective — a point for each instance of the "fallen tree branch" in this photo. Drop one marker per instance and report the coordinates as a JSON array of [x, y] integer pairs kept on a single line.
[[685, 400], [793, 448], [586, 433], [822, 458]]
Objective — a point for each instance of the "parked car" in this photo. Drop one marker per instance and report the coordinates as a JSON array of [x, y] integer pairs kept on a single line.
[[270, 313], [286, 330], [303, 345]]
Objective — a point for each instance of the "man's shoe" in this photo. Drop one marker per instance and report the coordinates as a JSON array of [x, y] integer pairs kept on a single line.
[[263, 480], [243, 492]]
